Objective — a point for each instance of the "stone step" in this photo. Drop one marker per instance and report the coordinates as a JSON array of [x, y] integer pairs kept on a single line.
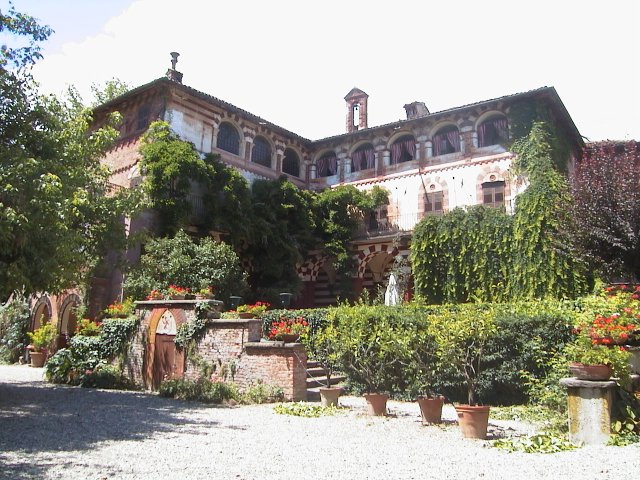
[[312, 364], [315, 372], [322, 381]]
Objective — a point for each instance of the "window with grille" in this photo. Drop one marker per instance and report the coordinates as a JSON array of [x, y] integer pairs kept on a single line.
[[493, 193], [261, 152], [433, 203], [291, 163], [228, 139]]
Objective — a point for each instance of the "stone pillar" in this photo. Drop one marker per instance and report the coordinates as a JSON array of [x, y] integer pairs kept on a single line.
[[379, 158], [342, 160], [386, 155], [279, 156], [249, 134], [429, 146], [590, 404]]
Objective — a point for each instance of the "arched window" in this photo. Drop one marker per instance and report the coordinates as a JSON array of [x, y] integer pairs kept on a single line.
[[447, 140], [228, 139], [291, 163], [403, 149], [434, 203], [363, 158], [493, 131], [327, 165], [493, 193], [261, 152]]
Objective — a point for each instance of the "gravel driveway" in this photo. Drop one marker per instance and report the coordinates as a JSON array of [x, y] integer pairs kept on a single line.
[[65, 432]]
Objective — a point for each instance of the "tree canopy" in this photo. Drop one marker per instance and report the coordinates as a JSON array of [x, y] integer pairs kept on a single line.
[[56, 219]]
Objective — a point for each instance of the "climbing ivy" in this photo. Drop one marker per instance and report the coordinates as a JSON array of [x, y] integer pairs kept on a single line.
[[484, 254]]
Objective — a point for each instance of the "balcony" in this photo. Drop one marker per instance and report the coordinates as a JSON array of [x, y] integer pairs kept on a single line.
[[388, 226]]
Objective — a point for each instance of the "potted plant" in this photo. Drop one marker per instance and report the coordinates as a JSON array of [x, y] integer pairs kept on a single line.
[[461, 333], [119, 309], [288, 330], [205, 293], [322, 347], [422, 369], [370, 350], [41, 339], [591, 359], [176, 292], [252, 310], [155, 295]]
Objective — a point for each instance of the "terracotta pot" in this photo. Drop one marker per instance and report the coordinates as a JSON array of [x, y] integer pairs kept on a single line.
[[289, 337], [431, 409], [329, 396], [38, 358], [376, 403], [245, 315], [590, 372], [177, 297], [473, 420]]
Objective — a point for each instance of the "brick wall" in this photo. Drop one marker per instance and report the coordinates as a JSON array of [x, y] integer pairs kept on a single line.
[[225, 342]]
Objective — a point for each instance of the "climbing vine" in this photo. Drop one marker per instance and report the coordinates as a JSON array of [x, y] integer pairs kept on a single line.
[[484, 254]]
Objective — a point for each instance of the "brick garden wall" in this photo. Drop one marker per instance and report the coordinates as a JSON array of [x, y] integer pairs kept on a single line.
[[225, 343]]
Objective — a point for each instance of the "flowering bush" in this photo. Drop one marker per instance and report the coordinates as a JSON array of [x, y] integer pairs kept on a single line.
[[296, 326], [120, 309], [206, 292], [255, 309]]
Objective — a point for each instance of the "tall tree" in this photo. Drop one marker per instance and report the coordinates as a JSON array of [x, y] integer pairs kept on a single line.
[[55, 216], [605, 215]]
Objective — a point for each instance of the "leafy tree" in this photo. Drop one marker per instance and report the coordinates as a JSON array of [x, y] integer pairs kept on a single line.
[[283, 227], [56, 219], [605, 214], [187, 263]]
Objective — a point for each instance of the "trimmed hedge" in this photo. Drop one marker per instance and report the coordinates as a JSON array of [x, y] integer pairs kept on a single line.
[[526, 338]]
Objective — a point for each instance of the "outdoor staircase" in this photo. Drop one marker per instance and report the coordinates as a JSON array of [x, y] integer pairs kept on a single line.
[[317, 377]]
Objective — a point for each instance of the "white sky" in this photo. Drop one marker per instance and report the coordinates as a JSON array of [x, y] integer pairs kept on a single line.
[[292, 61]]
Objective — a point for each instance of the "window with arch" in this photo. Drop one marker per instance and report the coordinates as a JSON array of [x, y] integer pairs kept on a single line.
[[228, 139], [493, 193], [291, 163], [327, 165], [493, 131], [261, 152], [403, 149], [363, 158], [447, 140]]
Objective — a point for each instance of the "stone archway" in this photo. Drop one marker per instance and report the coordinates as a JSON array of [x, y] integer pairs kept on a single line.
[[41, 313], [67, 320]]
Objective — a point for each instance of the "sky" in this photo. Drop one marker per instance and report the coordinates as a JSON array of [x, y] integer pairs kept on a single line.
[[293, 61]]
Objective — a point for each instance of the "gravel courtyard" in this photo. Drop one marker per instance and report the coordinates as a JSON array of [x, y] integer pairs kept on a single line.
[[61, 432]]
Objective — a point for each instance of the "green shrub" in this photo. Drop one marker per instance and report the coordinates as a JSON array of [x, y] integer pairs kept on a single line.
[[260, 392], [14, 325], [201, 390], [105, 376], [42, 338]]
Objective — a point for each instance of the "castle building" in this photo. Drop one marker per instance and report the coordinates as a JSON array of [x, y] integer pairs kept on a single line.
[[429, 163]]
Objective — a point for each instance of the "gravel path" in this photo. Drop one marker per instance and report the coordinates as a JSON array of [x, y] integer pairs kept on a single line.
[[65, 432]]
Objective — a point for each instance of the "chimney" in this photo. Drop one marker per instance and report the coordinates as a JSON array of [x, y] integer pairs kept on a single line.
[[172, 73], [416, 110], [356, 110]]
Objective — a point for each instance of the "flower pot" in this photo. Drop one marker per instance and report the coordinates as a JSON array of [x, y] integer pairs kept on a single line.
[[590, 372], [376, 403], [176, 297], [329, 396], [245, 315], [431, 409], [38, 358], [473, 420], [288, 337]]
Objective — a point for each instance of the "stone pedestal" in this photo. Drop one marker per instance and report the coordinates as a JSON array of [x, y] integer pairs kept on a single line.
[[590, 404]]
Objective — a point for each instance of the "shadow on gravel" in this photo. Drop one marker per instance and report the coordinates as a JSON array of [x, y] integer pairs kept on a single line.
[[37, 417]]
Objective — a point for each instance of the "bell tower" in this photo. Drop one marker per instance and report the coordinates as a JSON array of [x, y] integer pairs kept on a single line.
[[356, 110]]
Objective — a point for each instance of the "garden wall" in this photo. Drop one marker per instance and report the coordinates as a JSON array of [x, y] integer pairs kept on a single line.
[[230, 347]]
